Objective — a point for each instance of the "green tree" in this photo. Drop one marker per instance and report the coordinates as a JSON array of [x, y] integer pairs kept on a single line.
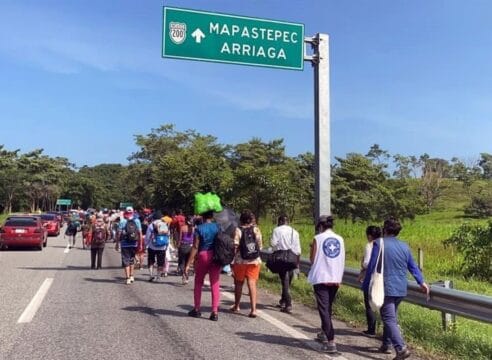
[[179, 164], [485, 163], [363, 191], [474, 241], [264, 178]]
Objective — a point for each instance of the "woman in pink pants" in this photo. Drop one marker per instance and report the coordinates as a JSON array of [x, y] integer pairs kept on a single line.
[[202, 251]]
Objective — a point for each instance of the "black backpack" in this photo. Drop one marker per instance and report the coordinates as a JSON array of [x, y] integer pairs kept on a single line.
[[248, 246], [224, 249], [130, 233]]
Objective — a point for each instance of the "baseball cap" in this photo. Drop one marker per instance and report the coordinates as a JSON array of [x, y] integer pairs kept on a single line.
[[129, 209]]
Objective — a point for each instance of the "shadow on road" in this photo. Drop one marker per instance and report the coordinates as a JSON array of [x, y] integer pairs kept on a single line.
[[156, 312], [274, 339], [363, 352], [114, 280], [19, 249], [69, 267], [360, 350]]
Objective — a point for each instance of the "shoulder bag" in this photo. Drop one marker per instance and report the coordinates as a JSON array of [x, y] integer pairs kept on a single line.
[[283, 260], [376, 285]]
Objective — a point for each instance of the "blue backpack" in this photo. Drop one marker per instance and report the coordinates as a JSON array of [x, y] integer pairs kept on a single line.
[[160, 239]]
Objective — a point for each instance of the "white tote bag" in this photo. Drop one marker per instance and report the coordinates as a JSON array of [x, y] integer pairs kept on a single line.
[[376, 285]]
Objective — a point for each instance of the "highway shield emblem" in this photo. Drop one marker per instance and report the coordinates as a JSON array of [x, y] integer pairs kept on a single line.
[[177, 32]]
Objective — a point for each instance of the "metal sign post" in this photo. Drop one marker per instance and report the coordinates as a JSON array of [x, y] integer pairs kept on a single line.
[[322, 181]]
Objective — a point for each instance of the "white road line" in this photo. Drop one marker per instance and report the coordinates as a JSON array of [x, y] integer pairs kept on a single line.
[[35, 303], [283, 327], [67, 249]]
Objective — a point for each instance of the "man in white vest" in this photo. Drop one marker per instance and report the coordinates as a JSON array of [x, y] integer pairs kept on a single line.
[[328, 263]]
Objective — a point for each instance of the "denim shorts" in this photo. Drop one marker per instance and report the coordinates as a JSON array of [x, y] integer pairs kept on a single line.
[[128, 255]]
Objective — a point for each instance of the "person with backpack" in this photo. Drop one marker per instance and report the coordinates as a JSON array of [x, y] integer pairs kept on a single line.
[[140, 255], [247, 262], [327, 266], [99, 236], [71, 232], [129, 239], [286, 238], [203, 252], [156, 241], [185, 243]]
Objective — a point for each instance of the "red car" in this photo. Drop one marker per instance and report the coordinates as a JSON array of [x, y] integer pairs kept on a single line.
[[25, 231], [58, 216], [51, 223]]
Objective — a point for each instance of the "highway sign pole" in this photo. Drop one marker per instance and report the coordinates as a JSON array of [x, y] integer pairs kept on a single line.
[[322, 181]]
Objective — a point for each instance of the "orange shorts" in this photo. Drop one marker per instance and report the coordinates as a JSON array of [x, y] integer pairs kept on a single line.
[[243, 271]]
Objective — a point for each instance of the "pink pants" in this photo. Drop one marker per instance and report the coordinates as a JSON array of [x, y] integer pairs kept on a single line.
[[204, 266]]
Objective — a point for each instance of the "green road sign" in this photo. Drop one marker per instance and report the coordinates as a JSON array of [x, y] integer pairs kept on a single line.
[[66, 202], [200, 35], [124, 205]]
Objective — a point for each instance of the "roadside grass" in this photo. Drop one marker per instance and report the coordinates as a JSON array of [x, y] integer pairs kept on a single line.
[[422, 327]]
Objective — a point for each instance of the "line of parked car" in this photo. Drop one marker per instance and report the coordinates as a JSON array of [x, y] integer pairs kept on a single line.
[[30, 230]]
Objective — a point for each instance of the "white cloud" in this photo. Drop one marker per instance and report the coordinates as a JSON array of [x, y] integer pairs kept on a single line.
[[60, 43]]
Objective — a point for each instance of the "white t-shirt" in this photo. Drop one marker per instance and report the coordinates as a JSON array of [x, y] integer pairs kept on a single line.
[[329, 262], [284, 237]]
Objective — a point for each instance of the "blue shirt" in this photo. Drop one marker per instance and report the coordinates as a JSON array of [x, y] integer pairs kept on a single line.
[[207, 233], [122, 226], [398, 260]]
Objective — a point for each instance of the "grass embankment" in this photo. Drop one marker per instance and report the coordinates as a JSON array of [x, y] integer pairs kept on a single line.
[[421, 327]]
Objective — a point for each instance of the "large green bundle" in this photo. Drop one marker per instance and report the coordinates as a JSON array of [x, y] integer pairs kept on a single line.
[[207, 202]]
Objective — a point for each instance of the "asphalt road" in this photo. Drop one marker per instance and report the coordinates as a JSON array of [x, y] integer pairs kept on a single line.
[[92, 314]]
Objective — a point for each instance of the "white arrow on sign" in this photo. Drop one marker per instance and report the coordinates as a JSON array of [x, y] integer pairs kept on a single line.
[[198, 35]]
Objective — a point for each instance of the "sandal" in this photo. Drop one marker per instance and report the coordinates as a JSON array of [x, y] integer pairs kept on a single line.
[[234, 309], [252, 315]]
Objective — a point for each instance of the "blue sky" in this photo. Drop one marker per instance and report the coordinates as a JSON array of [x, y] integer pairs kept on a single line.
[[80, 78]]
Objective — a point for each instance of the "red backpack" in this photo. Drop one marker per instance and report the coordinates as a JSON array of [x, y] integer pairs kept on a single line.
[[99, 235]]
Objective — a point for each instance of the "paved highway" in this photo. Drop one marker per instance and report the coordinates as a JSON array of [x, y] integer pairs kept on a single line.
[[52, 306]]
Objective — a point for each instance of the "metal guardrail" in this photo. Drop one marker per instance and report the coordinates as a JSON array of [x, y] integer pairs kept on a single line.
[[461, 303]]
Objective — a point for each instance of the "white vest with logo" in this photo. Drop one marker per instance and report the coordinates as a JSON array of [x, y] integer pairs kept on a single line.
[[329, 262]]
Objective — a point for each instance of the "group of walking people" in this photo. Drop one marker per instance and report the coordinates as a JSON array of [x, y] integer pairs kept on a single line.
[[194, 239]]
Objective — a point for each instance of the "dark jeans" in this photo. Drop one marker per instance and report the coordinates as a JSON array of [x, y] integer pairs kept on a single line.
[[184, 252], [286, 280], [96, 252], [370, 315], [389, 315], [325, 296]]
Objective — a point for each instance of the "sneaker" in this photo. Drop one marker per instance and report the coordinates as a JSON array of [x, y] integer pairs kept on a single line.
[[385, 349], [128, 281], [321, 337], [214, 316], [132, 279], [164, 274], [369, 333], [280, 304], [330, 348], [194, 313], [286, 309], [402, 354]]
